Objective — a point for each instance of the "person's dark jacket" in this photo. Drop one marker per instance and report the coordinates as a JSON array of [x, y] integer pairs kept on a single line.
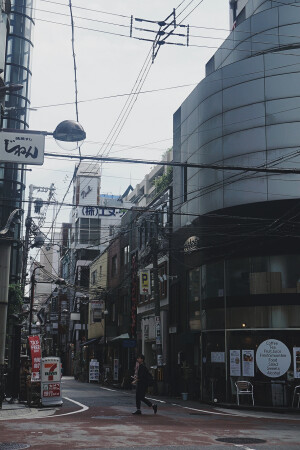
[[142, 375]]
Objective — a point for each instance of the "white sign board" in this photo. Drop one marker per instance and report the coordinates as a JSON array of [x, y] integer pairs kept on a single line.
[[217, 357], [273, 358], [51, 393], [22, 148], [94, 370], [296, 352], [248, 363], [235, 363]]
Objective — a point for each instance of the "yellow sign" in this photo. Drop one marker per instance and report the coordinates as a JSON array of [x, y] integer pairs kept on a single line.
[[145, 282]]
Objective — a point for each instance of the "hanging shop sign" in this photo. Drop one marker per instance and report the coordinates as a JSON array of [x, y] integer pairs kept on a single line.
[[296, 354], [145, 285], [235, 363], [157, 330], [22, 148], [248, 363], [35, 351], [273, 358], [191, 244]]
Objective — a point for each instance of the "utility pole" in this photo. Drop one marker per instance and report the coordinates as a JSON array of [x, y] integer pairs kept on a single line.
[[32, 296], [158, 342], [5, 251], [29, 225]]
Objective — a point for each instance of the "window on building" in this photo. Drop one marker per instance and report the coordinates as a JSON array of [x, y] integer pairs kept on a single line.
[[125, 256], [94, 277], [184, 183], [114, 266], [88, 231]]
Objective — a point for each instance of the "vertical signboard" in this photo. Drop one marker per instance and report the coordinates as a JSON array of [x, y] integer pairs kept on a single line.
[[145, 285], [235, 363], [35, 351], [116, 369], [94, 370], [51, 381]]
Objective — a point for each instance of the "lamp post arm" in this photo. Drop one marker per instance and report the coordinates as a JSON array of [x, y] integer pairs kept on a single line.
[[10, 220]]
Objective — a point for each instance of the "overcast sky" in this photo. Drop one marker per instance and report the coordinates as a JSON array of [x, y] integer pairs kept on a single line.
[[109, 65]]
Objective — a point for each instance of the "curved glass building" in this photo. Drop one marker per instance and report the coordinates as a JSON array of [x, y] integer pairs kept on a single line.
[[238, 229]]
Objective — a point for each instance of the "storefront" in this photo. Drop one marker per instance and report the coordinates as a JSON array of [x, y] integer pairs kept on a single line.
[[247, 313]]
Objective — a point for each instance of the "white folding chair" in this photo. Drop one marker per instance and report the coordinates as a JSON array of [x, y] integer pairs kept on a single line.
[[244, 388], [296, 394]]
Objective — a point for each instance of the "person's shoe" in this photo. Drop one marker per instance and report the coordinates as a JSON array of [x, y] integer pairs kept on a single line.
[[154, 408], [138, 411]]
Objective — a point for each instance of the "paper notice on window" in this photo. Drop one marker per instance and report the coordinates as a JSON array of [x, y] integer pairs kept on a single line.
[[235, 363], [248, 363]]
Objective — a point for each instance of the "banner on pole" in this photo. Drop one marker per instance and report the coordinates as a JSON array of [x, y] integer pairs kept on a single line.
[[35, 351]]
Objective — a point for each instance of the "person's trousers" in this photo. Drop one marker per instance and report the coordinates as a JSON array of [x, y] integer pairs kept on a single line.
[[140, 396]]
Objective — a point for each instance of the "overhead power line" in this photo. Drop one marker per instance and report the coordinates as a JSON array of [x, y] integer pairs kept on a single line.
[[176, 164]]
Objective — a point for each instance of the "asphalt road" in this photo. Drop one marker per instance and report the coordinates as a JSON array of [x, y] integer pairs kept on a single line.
[[93, 417]]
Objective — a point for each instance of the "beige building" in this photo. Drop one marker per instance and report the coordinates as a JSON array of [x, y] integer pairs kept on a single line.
[[97, 287]]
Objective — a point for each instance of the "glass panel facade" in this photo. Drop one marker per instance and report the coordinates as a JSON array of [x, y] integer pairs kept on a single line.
[[258, 300]]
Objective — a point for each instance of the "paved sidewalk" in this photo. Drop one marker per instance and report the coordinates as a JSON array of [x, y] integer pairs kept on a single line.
[[20, 411]]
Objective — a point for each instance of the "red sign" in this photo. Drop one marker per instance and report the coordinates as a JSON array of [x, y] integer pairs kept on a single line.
[[51, 390], [35, 349]]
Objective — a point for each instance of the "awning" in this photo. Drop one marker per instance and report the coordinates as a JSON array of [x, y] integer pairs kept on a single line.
[[120, 338]]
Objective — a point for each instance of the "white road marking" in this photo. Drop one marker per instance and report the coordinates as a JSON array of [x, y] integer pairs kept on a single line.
[[155, 400], [107, 389], [83, 408], [203, 410], [243, 447]]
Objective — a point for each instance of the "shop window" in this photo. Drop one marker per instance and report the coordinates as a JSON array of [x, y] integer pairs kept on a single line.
[[212, 283], [238, 280], [125, 256], [94, 277]]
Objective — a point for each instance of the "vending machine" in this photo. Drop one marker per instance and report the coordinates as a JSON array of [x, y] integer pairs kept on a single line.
[[51, 393]]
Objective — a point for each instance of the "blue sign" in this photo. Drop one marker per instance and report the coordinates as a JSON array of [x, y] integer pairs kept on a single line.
[[129, 343]]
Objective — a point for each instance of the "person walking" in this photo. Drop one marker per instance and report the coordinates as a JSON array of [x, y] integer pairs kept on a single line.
[[142, 381]]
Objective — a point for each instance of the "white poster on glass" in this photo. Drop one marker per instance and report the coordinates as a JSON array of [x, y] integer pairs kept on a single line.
[[296, 353], [248, 363], [235, 363], [217, 357]]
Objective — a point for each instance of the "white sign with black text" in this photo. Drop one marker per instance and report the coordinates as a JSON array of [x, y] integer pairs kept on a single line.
[[273, 358], [22, 148]]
